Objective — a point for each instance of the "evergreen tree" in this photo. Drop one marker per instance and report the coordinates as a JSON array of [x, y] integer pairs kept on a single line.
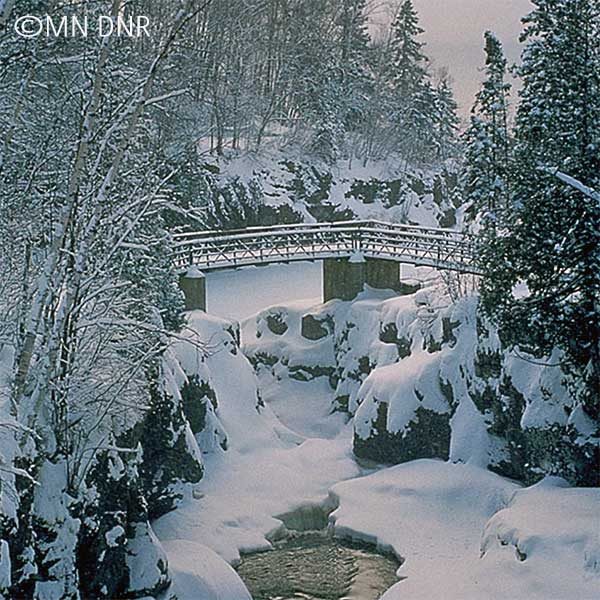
[[355, 79], [446, 120], [552, 239], [487, 139], [342, 87], [412, 95], [408, 70]]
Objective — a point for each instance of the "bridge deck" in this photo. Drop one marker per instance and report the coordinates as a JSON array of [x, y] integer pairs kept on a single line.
[[440, 248]]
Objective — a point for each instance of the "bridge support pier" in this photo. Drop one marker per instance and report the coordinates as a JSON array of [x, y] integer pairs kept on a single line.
[[344, 279], [193, 286]]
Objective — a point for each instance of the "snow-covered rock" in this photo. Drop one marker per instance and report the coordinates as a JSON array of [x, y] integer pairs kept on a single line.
[[250, 189], [425, 377], [147, 562], [549, 522], [456, 526]]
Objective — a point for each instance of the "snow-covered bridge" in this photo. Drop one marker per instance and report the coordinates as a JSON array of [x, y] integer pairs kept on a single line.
[[354, 253]]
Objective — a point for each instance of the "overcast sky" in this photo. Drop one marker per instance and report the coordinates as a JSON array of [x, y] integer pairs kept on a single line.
[[454, 36]]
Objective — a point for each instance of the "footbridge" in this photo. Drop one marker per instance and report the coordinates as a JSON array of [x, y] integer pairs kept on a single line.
[[354, 253]]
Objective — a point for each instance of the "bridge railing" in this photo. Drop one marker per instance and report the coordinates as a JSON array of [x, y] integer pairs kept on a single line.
[[184, 238], [434, 247]]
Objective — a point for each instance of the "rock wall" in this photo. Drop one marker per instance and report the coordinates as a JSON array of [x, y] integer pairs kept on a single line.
[[424, 377], [252, 189]]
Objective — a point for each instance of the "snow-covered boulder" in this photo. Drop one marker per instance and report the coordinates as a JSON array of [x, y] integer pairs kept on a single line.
[[549, 524], [147, 562], [302, 351], [425, 376], [402, 413]]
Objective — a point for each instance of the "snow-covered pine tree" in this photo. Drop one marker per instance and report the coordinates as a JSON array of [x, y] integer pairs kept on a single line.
[[355, 79], [487, 140], [551, 244], [343, 82], [412, 95], [446, 121]]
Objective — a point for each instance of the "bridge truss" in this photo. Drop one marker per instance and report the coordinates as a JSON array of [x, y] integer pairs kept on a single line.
[[439, 248]]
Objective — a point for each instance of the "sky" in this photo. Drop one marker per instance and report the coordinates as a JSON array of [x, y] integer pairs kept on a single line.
[[454, 36]]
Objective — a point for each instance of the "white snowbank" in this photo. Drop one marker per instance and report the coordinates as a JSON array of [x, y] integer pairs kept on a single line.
[[552, 526], [199, 573], [433, 514]]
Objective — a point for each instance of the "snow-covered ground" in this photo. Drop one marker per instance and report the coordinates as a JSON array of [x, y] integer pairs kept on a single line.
[[466, 533], [238, 294], [462, 531]]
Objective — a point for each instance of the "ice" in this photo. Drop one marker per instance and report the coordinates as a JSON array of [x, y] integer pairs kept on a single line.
[[261, 287]]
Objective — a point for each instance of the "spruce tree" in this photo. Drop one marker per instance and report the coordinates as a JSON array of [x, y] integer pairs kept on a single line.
[[446, 122], [408, 70], [412, 95], [487, 139], [355, 79], [341, 83], [552, 239]]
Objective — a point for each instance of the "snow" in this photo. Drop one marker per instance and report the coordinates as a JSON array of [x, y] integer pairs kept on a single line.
[[260, 287], [268, 469], [5, 565], [456, 525], [549, 524], [520, 290], [113, 536], [200, 573], [433, 514], [575, 183], [278, 174], [543, 387], [194, 273], [292, 401], [145, 557], [470, 441], [300, 352], [357, 257], [8, 442], [395, 385]]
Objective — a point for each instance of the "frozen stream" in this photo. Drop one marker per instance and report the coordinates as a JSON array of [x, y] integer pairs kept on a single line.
[[273, 449], [307, 562]]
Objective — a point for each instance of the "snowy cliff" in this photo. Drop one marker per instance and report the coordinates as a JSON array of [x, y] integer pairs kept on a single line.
[[460, 529], [264, 189], [424, 377]]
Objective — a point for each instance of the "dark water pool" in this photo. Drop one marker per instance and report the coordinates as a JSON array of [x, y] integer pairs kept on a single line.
[[316, 566]]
